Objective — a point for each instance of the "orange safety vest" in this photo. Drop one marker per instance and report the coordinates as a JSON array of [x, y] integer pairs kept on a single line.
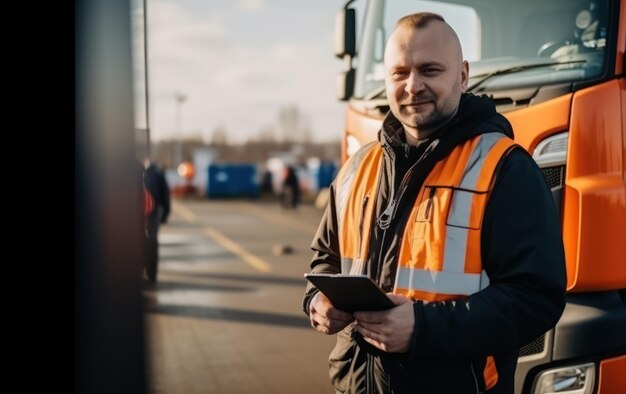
[[148, 202], [440, 257]]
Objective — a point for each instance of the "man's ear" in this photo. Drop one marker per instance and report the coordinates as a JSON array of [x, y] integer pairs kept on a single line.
[[464, 75]]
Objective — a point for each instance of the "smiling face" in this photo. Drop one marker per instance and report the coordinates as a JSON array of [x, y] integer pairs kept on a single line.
[[425, 76]]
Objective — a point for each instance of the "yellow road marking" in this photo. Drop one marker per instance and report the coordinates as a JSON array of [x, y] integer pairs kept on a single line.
[[185, 212], [237, 249], [277, 218]]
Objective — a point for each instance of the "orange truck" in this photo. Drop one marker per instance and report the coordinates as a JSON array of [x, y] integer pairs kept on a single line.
[[556, 70]]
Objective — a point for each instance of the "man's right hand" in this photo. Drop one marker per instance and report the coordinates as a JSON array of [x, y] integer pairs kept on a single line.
[[325, 317]]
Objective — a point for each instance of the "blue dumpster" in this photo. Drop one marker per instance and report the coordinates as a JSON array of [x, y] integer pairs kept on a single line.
[[232, 180], [326, 174]]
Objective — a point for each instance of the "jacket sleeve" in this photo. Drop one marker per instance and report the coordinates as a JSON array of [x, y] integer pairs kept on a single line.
[[326, 258], [523, 256], [165, 197]]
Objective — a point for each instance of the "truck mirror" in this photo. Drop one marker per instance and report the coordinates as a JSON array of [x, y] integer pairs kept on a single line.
[[345, 84], [345, 33]]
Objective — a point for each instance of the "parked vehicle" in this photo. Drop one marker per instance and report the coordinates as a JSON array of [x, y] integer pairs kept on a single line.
[[556, 70]]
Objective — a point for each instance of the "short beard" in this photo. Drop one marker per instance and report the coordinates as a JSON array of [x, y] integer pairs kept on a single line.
[[427, 125]]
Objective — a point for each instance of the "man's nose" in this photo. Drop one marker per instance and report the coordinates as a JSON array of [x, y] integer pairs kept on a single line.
[[414, 84]]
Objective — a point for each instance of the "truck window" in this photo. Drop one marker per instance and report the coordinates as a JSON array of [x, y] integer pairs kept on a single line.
[[545, 42]]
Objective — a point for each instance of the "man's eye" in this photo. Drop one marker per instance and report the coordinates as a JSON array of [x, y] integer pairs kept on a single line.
[[430, 71]]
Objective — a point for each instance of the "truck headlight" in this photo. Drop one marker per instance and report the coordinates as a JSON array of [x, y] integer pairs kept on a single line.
[[550, 155], [552, 151], [576, 379]]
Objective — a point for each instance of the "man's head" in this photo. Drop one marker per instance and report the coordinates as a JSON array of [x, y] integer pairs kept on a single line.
[[425, 73]]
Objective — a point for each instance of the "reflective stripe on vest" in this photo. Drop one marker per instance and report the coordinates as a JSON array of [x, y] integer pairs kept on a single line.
[[440, 257], [148, 202], [356, 187]]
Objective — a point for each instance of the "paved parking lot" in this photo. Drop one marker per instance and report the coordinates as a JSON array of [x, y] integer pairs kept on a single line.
[[225, 314]]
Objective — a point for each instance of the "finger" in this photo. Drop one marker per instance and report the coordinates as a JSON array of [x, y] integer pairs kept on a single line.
[[398, 299], [377, 344], [322, 305], [333, 313], [329, 330], [368, 333], [338, 314], [329, 322], [318, 324], [371, 317], [340, 322], [320, 320], [372, 327], [371, 337]]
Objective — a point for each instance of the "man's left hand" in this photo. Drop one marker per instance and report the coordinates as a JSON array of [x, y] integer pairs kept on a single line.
[[389, 330]]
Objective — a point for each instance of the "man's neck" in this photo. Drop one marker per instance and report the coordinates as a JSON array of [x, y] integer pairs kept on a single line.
[[415, 136]]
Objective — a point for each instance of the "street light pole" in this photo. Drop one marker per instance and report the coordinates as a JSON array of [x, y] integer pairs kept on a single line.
[[180, 99], [145, 59]]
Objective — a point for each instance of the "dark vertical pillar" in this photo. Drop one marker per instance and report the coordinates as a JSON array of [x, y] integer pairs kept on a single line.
[[109, 339]]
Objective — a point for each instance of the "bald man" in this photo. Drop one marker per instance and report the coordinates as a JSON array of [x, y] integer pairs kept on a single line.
[[453, 220]]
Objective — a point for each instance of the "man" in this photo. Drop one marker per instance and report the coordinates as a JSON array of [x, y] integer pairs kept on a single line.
[[291, 189], [156, 184], [449, 215]]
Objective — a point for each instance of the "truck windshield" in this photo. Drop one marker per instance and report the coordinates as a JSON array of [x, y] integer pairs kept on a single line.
[[509, 43]]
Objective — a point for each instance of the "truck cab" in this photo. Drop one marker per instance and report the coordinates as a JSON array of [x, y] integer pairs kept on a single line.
[[555, 69]]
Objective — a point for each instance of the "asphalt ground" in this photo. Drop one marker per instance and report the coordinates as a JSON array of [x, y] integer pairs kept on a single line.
[[225, 314]]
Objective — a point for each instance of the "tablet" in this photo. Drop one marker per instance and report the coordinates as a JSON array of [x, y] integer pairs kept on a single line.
[[351, 293]]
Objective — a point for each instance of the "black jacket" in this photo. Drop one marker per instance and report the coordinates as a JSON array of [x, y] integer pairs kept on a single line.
[[155, 182], [522, 253]]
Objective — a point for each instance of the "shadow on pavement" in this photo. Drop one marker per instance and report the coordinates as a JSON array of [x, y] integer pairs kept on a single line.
[[280, 280], [203, 312], [172, 285]]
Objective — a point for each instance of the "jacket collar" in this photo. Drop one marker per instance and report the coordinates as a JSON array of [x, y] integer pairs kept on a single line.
[[476, 115]]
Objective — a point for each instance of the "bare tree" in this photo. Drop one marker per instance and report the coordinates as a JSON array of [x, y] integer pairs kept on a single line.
[[292, 124], [219, 136], [267, 135]]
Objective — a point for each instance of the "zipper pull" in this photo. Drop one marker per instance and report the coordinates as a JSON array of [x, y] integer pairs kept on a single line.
[[361, 235], [384, 220]]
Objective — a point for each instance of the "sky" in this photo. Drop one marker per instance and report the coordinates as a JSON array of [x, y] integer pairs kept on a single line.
[[237, 63]]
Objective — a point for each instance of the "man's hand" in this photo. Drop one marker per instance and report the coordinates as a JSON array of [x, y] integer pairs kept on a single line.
[[325, 317], [389, 330]]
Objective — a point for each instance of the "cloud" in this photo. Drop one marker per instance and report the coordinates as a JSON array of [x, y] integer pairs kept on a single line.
[[251, 5], [164, 14], [175, 31], [233, 81], [244, 90]]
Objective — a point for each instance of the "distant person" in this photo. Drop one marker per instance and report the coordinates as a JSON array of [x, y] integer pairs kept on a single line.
[[291, 189], [155, 182], [267, 188]]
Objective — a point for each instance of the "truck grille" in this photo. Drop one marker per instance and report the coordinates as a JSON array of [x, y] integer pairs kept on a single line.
[[555, 176], [535, 347]]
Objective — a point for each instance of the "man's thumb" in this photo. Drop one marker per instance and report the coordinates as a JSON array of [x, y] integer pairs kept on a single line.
[[398, 299]]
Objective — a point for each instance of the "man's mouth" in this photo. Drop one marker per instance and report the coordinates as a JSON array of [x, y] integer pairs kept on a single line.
[[416, 103]]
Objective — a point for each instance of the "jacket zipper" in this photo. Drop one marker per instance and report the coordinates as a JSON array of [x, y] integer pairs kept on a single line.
[[475, 378], [370, 375], [385, 219], [384, 222], [358, 252], [390, 210]]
